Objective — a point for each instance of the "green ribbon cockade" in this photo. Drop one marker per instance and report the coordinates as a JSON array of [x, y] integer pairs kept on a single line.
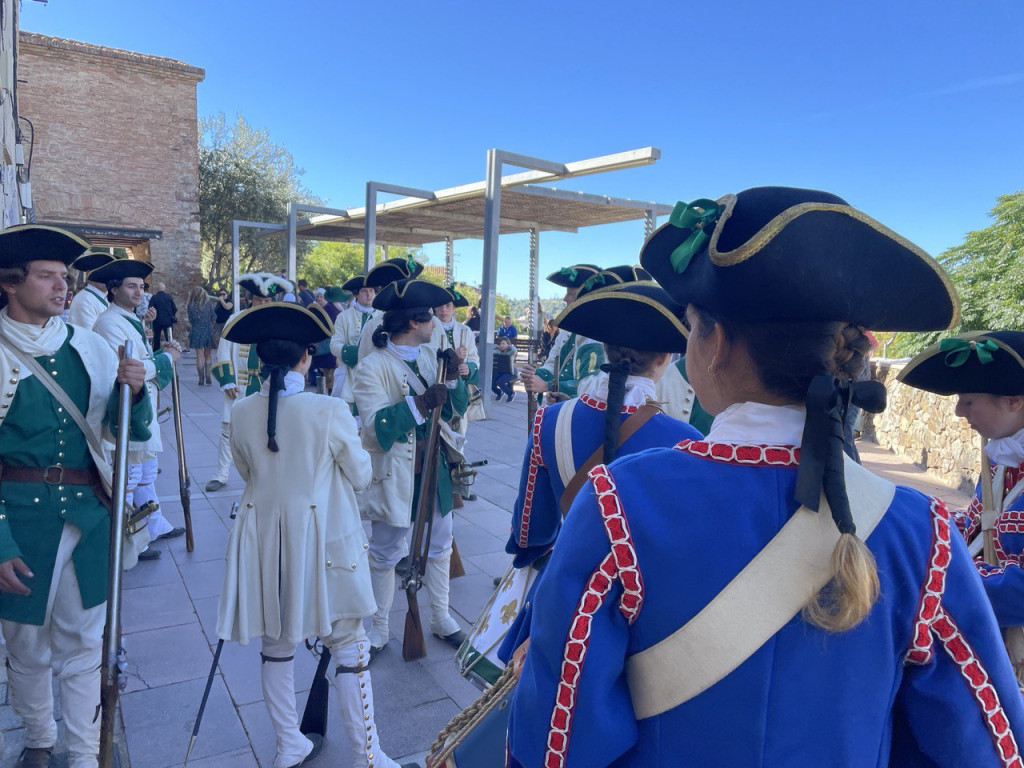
[[594, 282], [959, 350], [412, 264], [453, 292], [569, 272], [696, 216]]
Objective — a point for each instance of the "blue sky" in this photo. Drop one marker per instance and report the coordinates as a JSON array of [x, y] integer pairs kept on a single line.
[[912, 111]]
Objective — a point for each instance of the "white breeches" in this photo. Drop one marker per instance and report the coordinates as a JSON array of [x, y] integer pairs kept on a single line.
[[142, 489], [223, 453], [68, 644], [388, 544]]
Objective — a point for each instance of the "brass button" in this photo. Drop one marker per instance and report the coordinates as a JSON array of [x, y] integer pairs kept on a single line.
[[366, 546], [14, 381], [61, 410], [60, 455], [60, 487], [78, 495], [15, 370], [53, 360], [36, 500], [3, 516], [63, 499], [10, 394], [54, 373], [328, 563]]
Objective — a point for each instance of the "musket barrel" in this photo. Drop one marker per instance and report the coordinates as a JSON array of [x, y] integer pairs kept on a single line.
[[109, 678], [183, 479]]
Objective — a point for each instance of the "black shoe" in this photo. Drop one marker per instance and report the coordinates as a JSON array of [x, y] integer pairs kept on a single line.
[[34, 757], [455, 639], [150, 554], [498, 580], [374, 652], [171, 534], [469, 497]]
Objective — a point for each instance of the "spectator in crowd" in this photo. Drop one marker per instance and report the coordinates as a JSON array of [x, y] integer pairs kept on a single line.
[[473, 320], [289, 295], [222, 310], [201, 318], [507, 330], [306, 296], [504, 370], [547, 337], [318, 296], [324, 360], [166, 314]]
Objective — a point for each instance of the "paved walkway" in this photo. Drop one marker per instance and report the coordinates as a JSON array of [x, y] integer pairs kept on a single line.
[[170, 610]]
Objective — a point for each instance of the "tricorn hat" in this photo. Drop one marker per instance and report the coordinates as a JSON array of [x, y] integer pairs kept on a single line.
[[573, 276], [334, 293], [279, 320], [456, 297], [614, 276], [991, 362], [265, 284], [92, 260], [23, 243], [639, 315], [411, 293], [390, 270], [355, 284], [780, 253], [119, 269]]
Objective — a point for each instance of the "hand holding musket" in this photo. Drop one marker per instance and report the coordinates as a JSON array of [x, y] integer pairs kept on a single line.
[[111, 681], [184, 483], [413, 646]]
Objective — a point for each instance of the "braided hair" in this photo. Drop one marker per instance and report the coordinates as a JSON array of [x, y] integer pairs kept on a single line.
[[397, 321], [623, 362], [279, 356]]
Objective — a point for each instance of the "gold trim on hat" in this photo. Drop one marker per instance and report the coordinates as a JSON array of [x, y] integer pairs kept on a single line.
[[933, 350], [622, 292]]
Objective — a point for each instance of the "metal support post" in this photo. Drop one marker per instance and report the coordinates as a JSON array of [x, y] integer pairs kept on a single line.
[[534, 302], [383, 251], [449, 261], [370, 234], [234, 266], [650, 224], [292, 249], [492, 228]]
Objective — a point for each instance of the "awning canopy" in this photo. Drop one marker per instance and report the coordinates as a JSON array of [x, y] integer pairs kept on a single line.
[[102, 236]]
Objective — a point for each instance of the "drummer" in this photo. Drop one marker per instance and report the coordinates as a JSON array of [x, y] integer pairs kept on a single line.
[[898, 660], [985, 369]]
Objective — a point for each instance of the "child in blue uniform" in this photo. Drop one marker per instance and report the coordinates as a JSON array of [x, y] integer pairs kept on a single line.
[[867, 643]]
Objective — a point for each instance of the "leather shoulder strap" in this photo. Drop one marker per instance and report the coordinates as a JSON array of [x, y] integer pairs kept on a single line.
[[756, 604], [637, 419]]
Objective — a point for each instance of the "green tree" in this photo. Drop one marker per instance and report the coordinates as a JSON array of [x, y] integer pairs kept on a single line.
[[988, 272], [243, 174], [329, 263]]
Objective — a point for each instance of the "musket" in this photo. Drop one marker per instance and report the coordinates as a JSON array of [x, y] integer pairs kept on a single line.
[[183, 480], [989, 513], [113, 663], [413, 646], [531, 398]]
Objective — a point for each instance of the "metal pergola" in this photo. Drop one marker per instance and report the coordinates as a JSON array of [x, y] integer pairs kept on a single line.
[[486, 209]]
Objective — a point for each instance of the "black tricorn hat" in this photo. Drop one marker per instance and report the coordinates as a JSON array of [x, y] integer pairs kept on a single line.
[[573, 276], [606, 278], [92, 260], [981, 361], [265, 284], [119, 269], [355, 284], [390, 270], [456, 297], [780, 253], [639, 315], [279, 320], [411, 293], [23, 243]]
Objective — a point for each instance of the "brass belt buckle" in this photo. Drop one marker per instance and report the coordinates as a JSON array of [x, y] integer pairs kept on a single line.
[[60, 474]]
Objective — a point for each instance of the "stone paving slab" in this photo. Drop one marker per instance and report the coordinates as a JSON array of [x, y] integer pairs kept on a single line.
[[170, 609]]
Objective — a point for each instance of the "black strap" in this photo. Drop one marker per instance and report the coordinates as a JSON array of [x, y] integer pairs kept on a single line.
[[264, 658], [348, 670]]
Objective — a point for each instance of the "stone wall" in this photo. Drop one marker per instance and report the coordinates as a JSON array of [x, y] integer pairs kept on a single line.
[[116, 146], [922, 427]]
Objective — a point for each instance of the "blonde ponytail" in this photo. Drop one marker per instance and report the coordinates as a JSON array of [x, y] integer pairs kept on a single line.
[[853, 589]]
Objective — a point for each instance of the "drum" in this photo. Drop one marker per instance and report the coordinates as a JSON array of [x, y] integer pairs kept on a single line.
[[478, 656], [476, 737]]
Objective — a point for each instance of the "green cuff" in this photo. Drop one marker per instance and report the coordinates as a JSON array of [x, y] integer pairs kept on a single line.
[[164, 369], [141, 417], [457, 402], [545, 374], [474, 374], [393, 424], [222, 373], [350, 355]]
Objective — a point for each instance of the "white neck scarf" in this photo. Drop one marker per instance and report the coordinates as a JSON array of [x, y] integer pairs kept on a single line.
[[759, 424], [34, 340], [449, 325], [294, 382], [361, 308], [639, 389], [1008, 451], [409, 354]]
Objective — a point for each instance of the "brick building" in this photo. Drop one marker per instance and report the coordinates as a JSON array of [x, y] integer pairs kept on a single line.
[[114, 151]]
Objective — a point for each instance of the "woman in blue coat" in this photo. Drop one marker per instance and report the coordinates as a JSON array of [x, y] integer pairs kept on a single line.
[[752, 598]]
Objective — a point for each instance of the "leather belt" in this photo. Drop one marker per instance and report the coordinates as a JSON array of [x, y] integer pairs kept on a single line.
[[54, 474]]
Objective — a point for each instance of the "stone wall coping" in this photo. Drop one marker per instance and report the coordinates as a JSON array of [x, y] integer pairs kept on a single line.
[[46, 41]]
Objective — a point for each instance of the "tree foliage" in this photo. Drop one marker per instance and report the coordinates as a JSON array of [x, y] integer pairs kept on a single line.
[[988, 272], [331, 263], [243, 174]]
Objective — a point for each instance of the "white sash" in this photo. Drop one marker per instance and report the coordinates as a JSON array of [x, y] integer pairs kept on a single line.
[[755, 605], [563, 442]]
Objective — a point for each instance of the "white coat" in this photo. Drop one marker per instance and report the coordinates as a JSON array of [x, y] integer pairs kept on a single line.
[[86, 306], [455, 433], [114, 325], [297, 554], [381, 380], [347, 329]]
